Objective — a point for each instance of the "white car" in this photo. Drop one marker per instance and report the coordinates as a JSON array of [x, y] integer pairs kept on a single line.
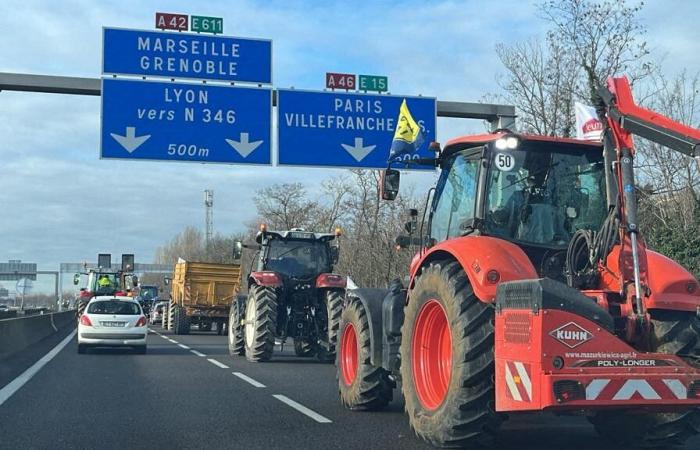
[[111, 321], [156, 315]]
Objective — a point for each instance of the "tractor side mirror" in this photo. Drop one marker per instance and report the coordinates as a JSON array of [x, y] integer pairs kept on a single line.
[[166, 280], [237, 250], [389, 184], [335, 254], [403, 241], [134, 280], [76, 279]]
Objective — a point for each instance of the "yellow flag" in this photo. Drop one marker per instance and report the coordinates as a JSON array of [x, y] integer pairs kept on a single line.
[[407, 129], [407, 137]]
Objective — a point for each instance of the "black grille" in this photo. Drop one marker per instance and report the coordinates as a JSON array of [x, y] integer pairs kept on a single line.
[[118, 336]]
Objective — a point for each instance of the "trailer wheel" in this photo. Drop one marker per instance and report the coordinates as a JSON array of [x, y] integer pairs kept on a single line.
[[678, 333], [181, 322], [303, 348], [447, 360], [236, 344], [260, 323], [333, 300], [362, 386]]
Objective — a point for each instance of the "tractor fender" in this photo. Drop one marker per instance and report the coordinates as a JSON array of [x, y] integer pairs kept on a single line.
[[265, 278], [372, 300], [479, 255]]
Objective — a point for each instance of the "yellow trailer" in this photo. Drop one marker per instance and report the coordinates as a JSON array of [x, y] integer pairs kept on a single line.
[[202, 294]]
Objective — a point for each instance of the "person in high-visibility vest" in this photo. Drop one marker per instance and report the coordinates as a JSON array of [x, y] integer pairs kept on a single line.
[[104, 282]]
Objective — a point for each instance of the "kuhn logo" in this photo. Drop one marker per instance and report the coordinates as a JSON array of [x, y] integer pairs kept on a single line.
[[572, 335]]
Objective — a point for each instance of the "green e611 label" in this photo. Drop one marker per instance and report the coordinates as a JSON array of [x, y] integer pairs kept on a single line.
[[204, 24]]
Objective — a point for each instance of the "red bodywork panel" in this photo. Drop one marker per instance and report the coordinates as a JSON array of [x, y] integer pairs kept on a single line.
[[606, 371], [670, 285], [266, 278], [478, 255], [478, 139], [331, 280]]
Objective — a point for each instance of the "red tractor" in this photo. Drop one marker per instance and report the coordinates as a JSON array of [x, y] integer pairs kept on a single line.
[[532, 290]]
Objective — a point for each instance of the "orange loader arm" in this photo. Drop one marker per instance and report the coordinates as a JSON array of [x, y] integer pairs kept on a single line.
[[623, 119]]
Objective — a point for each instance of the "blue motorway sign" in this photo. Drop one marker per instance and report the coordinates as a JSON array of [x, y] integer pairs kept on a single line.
[[185, 55], [333, 129], [185, 122]]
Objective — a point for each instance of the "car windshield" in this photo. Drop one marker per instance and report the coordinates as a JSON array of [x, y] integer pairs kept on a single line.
[[149, 292], [114, 307], [541, 195], [297, 258]]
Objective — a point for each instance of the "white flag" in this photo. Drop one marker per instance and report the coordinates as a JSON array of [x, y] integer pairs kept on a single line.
[[588, 127]]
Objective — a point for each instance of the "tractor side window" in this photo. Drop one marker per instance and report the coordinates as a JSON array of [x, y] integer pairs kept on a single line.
[[455, 198]]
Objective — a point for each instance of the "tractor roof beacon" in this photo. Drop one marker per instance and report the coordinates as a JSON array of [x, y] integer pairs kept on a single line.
[[292, 292], [532, 290]]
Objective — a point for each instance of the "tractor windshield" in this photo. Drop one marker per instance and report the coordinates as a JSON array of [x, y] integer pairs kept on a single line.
[[542, 192], [297, 258]]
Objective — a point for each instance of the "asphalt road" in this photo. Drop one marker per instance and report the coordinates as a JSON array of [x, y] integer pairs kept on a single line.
[[182, 398]]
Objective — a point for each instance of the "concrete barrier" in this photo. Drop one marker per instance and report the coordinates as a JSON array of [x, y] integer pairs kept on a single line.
[[21, 332]]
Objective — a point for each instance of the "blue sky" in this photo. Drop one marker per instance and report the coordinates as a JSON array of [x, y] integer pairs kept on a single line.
[[60, 203]]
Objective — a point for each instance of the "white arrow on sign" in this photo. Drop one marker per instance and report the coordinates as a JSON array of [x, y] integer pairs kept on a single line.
[[244, 147], [130, 142], [358, 151]]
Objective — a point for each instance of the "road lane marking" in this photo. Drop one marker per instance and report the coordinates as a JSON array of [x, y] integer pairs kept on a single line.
[[302, 409], [164, 337], [198, 353], [183, 346], [14, 385], [217, 363], [245, 377], [173, 341]]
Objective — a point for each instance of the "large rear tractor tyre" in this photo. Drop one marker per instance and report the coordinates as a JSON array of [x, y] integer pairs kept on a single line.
[[334, 307], [236, 342], [260, 323], [181, 322], [674, 332], [303, 348], [362, 386], [447, 360]]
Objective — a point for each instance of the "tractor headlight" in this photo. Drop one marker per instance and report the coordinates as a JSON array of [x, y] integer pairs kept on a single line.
[[507, 143]]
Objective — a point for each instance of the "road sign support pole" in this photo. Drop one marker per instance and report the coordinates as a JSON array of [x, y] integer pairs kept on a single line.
[[498, 116]]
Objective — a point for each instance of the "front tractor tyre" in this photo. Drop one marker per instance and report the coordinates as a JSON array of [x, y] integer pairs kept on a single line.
[[362, 386], [236, 342], [260, 323], [676, 333], [333, 300], [447, 360]]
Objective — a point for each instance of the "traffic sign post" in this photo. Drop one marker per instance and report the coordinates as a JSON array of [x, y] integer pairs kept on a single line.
[[334, 129], [185, 122], [186, 55]]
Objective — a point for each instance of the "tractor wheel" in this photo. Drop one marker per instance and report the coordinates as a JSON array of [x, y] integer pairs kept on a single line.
[[362, 386], [82, 304], [674, 332], [260, 323], [334, 307], [303, 348], [181, 322], [236, 344], [447, 360]]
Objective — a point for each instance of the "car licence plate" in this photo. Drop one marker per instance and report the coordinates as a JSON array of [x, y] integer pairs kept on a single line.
[[113, 324]]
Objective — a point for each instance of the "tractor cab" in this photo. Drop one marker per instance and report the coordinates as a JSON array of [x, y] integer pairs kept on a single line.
[[533, 191], [296, 255]]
